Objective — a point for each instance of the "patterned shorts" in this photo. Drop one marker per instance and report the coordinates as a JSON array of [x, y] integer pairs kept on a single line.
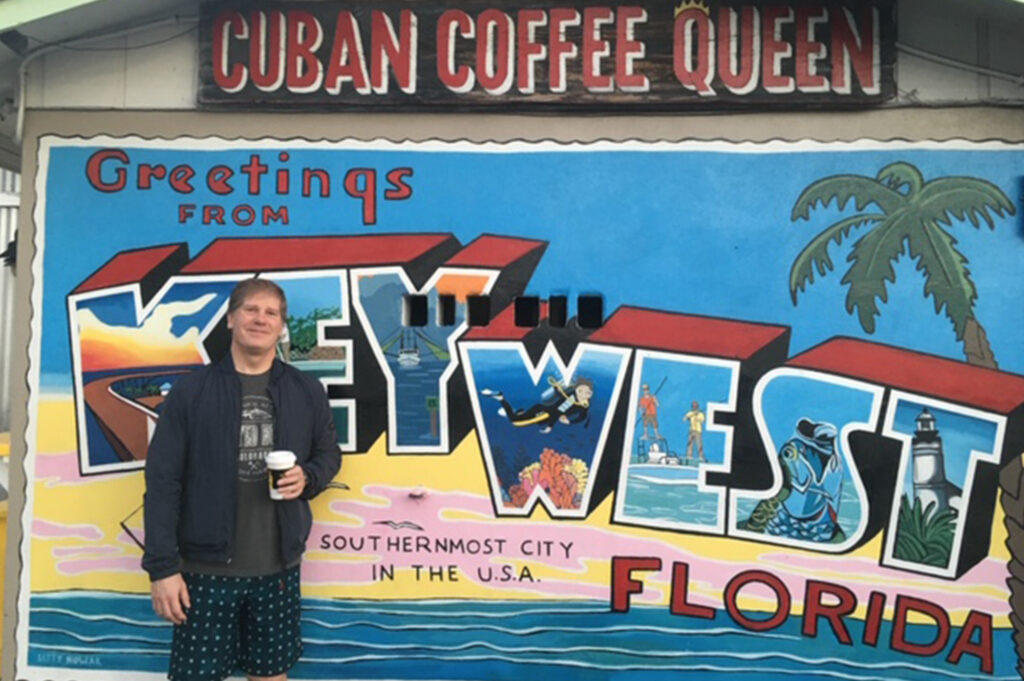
[[247, 622]]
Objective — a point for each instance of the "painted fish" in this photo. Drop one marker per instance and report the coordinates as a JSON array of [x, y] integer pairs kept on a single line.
[[807, 505]]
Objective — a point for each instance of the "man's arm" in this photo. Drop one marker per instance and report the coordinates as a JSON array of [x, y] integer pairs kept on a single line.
[[165, 470], [325, 459]]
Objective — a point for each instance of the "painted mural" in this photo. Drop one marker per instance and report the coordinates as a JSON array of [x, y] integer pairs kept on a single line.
[[790, 447]]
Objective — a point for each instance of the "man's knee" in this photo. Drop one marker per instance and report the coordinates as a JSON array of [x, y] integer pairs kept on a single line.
[[279, 677]]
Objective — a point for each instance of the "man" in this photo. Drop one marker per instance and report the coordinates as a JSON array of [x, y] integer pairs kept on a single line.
[[696, 418], [649, 413], [223, 558]]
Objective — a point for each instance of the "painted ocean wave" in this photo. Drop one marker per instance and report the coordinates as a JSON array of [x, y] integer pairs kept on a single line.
[[460, 641]]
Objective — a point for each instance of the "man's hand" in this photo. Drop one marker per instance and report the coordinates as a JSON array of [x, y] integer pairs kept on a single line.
[[563, 419], [170, 598], [291, 484]]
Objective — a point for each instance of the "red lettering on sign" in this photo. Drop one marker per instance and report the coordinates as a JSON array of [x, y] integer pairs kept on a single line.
[[907, 604], [323, 179], [834, 613], [400, 189], [213, 214], [855, 49], [560, 50], [873, 620], [283, 185], [494, 58], [528, 50], [185, 212], [595, 49], [267, 50], [255, 170], [217, 180], [361, 183], [775, 50], [348, 62], [680, 589], [739, 49], [181, 179], [397, 51], [783, 599], [228, 24], [147, 173], [94, 168], [623, 584], [457, 79], [982, 623], [694, 51], [809, 51], [628, 50], [303, 72]]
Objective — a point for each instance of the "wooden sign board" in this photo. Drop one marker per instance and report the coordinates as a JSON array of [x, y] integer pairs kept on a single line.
[[616, 56]]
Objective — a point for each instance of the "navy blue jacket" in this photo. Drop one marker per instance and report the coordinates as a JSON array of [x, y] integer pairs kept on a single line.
[[192, 464]]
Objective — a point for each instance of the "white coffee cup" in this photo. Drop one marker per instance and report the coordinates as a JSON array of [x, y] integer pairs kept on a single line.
[[278, 462]]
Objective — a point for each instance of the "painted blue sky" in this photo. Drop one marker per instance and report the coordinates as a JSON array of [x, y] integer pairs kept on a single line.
[[706, 232]]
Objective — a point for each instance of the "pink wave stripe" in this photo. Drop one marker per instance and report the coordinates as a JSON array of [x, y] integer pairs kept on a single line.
[[44, 529], [128, 564], [62, 469], [63, 466], [61, 551], [522, 537]]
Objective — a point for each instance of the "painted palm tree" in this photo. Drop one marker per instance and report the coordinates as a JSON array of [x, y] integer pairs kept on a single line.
[[911, 216]]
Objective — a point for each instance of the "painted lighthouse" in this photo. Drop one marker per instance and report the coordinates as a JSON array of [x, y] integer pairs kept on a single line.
[[930, 483]]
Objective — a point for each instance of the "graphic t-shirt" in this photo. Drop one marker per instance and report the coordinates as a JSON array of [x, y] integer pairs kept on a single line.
[[257, 536]]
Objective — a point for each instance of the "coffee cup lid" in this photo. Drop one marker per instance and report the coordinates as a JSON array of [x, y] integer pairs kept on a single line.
[[281, 458]]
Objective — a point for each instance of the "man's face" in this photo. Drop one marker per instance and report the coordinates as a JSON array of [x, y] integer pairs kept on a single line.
[[584, 393], [256, 325]]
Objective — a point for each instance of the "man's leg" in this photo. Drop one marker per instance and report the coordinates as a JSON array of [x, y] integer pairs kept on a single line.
[[205, 647], [271, 641]]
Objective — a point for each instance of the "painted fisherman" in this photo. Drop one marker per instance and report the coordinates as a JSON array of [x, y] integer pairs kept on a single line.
[[223, 558], [648, 409], [696, 437]]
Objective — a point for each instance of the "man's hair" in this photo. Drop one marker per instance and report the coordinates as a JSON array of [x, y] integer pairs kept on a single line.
[[584, 381], [249, 287]]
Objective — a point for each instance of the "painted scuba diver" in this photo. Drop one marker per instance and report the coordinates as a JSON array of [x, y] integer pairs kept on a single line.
[[807, 506], [570, 404]]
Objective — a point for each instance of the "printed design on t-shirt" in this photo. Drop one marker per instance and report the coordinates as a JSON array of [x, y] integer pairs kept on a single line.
[[257, 437]]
